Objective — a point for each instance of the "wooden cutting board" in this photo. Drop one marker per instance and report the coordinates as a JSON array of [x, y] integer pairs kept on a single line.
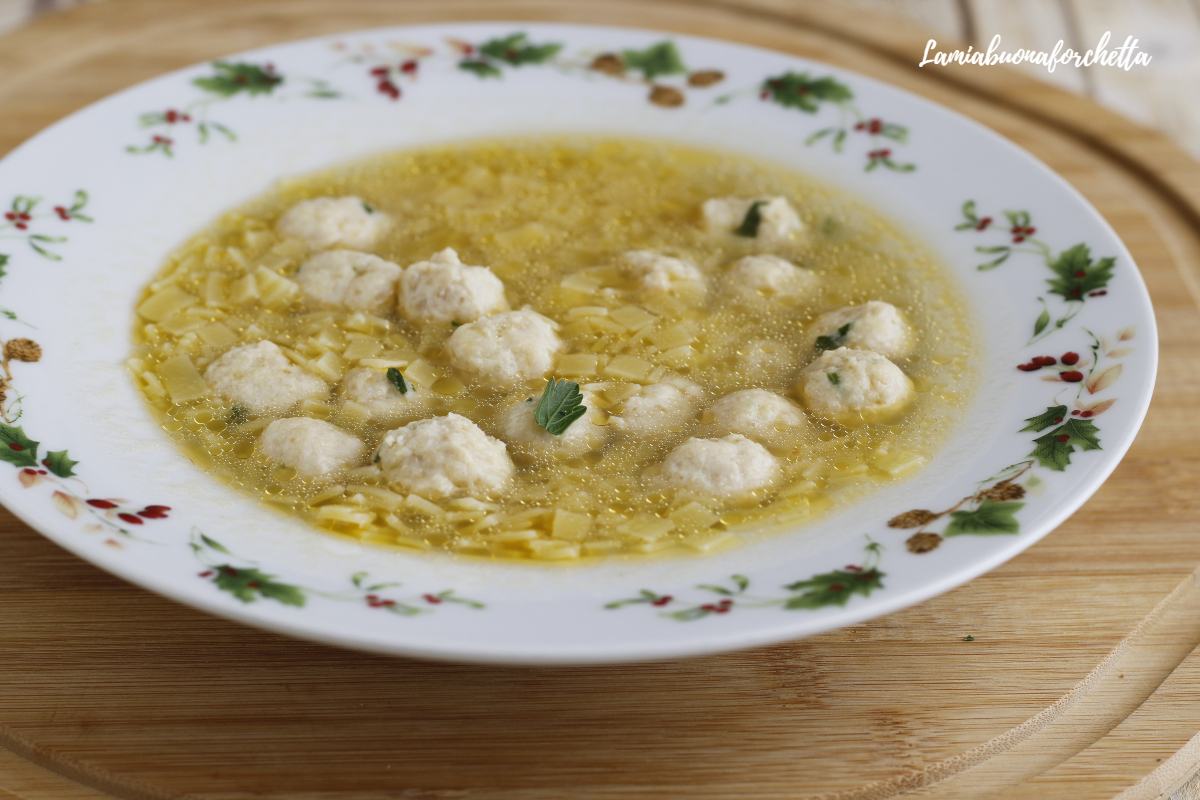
[[1079, 683]]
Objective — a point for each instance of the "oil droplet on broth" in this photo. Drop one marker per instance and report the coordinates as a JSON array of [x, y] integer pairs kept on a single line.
[[283, 474]]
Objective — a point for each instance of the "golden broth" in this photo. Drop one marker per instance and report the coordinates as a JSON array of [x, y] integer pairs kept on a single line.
[[550, 217]]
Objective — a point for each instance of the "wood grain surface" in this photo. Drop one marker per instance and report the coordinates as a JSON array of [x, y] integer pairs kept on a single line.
[[1080, 681]]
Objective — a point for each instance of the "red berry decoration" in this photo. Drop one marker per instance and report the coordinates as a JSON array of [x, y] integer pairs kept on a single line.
[[1044, 361], [101, 504], [130, 518], [1070, 359], [1064, 437], [1072, 376], [1029, 367]]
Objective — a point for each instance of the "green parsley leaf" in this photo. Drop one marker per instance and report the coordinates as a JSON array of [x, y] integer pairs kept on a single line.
[[237, 415], [370, 209], [749, 226], [1077, 275], [396, 378], [968, 638], [834, 378], [991, 517], [659, 59], [824, 343], [561, 405], [455, 324]]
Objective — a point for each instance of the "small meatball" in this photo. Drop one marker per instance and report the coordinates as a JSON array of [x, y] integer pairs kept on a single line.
[[657, 408], [506, 349], [655, 271], [444, 290], [314, 447], [520, 430], [874, 325], [444, 457], [371, 389], [324, 222], [771, 276], [724, 468], [351, 280], [778, 221], [844, 382], [260, 377], [759, 415]]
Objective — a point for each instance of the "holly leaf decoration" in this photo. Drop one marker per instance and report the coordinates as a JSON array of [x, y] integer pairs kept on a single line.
[[660, 59], [516, 51], [233, 79], [57, 462], [1053, 416], [833, 588], [16, 448], [248, 584], [481, 68], [1054, 449], [792, 90], [561, 405], [990, 518], [1077, 275]]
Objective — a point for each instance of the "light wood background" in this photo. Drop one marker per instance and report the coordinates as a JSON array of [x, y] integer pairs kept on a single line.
[[1081, 681]]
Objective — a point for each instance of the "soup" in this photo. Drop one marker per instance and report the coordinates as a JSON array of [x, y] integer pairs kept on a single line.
[[554, 349]]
